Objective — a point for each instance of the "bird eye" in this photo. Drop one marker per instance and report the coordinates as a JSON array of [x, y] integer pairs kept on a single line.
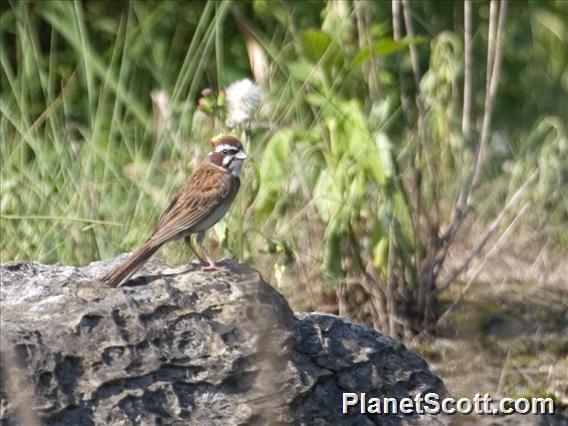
[[225, 152]]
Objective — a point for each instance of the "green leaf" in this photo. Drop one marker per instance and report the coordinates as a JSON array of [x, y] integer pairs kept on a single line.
[[381, 29], [318, 48], [402, 215], [315, 99], [381, 255], [279, 246], [385, 152], [383, 47], [314, 44], [273, 172], [332, 254], [327, 196], [301, 70]]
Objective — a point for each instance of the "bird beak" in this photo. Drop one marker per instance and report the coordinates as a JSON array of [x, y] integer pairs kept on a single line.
[[240, 155]]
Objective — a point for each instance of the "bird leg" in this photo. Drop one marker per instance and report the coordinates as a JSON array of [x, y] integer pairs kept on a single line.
[[187, 240], [208, 265], [211, 266]]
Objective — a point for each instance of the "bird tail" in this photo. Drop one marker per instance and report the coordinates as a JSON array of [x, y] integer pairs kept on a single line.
[[129, 267]]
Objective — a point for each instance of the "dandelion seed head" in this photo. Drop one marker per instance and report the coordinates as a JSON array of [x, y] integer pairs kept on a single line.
[[242, 98]]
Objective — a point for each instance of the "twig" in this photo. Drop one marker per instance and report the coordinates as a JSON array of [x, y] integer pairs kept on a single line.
[[461, 207], [370, 282], [219, 44], [258, 60], [421, 111], [468, 65], [390, 278], [493, 16], [415, 69], [56, 102], [413, 50], [480, 267], [503, 372], [418, 161], [490, 95], [489, 232], [459, 298], [363, 15], [397, 34], [58, 218], [405, 102]]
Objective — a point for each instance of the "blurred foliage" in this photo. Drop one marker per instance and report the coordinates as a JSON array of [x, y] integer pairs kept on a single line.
[[88, 162]]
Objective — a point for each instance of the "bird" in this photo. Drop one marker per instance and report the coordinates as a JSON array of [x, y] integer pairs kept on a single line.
[[202, 202]]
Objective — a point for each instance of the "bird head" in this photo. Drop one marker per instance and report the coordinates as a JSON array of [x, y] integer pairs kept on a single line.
[[227, 152]]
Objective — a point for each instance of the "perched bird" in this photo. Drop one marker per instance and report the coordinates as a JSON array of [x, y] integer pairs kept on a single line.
[[203, 201]]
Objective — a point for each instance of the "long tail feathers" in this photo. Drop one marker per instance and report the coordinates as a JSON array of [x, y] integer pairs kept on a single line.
[[129, 267]]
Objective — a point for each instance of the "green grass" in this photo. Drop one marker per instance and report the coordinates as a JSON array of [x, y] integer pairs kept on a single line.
[[87, 166], [83, 173]]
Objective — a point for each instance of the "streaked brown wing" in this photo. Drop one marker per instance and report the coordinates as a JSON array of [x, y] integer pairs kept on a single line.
[[166, 213], [205, 190]]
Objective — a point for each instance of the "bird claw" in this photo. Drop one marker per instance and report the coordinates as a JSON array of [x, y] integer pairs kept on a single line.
[[211, 266]]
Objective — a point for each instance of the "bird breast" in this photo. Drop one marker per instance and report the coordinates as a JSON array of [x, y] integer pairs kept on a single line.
[[215, 216]]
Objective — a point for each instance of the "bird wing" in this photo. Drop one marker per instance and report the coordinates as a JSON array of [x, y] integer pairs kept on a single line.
[[166, 213], [204, 191]]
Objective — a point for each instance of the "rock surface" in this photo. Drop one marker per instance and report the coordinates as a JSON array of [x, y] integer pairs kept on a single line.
[[185, 347]]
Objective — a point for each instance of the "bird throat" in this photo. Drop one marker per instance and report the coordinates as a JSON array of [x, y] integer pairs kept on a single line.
[[233, 166]]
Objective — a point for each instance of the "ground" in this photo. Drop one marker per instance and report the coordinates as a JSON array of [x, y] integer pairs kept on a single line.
[[509, 334]]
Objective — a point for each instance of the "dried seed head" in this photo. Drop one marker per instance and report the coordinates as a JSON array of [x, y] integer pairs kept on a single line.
[[242, 98]]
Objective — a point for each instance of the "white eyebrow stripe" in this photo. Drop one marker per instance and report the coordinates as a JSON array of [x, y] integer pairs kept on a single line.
[[227, 147]]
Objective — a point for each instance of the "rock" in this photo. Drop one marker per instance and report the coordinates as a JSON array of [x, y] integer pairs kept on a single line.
[[184, 347]]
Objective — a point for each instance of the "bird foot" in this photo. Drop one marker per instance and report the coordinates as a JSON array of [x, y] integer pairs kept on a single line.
[[211, 266]]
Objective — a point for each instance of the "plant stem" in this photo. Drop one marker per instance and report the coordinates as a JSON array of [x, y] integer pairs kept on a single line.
[[468, 66]]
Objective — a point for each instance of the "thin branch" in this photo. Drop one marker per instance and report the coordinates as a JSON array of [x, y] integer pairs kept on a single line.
[[480, 267], [488, 233], [421, 110], [468, 66], [370, 281], [415, 71], [413, 50], [418, 159], [258, 59], [493, 16], [371, 69], [503, 372], [58, 218], [461, 208], [390, 278], [397, 34], [405, 103], [490, 96]]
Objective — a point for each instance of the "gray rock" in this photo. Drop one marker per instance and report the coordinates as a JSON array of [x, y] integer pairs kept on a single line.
[[184, 347]]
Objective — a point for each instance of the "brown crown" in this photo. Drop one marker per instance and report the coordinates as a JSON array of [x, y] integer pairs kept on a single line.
[[225, 139]]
